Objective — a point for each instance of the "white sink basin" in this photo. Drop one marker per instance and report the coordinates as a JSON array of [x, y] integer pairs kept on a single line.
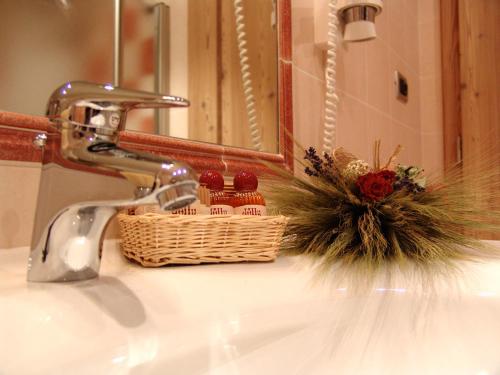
[[243, 319]]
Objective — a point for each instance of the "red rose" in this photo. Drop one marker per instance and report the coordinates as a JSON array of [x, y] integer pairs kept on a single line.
[[388, 175], [376, 186]]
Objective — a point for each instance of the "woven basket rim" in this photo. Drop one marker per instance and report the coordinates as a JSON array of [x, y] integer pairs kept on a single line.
[[176, 217]]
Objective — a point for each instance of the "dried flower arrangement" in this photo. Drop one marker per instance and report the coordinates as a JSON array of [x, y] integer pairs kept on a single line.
[[349, 214]]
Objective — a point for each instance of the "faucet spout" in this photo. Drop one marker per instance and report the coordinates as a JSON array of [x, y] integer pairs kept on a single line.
[[147, 172], [70, 222]]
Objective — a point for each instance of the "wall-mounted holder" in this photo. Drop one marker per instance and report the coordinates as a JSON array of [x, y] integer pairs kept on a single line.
[[401, 87], [40, 141], [359, 18]]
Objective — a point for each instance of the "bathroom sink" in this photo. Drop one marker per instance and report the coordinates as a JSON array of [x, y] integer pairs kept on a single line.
[[268, 318]]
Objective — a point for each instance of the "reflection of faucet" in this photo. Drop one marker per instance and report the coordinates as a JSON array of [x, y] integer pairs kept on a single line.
[[68, 233]]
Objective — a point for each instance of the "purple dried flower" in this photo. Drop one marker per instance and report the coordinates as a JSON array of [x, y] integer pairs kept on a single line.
[[314, 159], [310, 172], [319, 167], [408, 184], [329, 160]]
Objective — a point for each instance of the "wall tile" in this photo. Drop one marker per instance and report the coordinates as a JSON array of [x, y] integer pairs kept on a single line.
[[351, 67], [382, 25], [351, 130], [308, 103], [433, 153], [413, 9], [428, 10], [410, 139], [306, 55], [18, 195], [412, 50], [378, 75], [431, 110], [379, 126], [408, 112], [403, 30], [430, 48], [414, 104], [430, 85], [397, 26]]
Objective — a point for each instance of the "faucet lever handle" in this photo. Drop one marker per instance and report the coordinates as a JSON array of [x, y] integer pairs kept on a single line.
[[103, 107]]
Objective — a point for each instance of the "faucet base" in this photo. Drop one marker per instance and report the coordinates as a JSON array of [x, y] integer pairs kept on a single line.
[[71, 247], [87, 274]]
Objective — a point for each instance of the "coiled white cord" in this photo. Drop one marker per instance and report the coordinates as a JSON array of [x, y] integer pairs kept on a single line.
[[246, 75], [331, 98]]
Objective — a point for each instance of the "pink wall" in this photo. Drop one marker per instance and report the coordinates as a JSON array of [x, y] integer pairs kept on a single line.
[[368, 108], [431, 110]]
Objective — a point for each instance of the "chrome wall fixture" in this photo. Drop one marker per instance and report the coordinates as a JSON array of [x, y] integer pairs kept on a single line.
[[117, 44], [359, 18], [161, 56], [162, 62], [40, 140], [359, 13]]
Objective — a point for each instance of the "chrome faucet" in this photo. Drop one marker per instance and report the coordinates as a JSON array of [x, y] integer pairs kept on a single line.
[[69, 224]]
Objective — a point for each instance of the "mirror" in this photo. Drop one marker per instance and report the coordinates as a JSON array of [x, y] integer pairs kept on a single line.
[[227, 66]]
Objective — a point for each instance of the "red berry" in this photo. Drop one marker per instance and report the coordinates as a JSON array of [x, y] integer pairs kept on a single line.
[[245, 181], [213, 180]]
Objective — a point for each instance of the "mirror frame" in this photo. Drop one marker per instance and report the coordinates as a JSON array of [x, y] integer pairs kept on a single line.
[[17, 131]]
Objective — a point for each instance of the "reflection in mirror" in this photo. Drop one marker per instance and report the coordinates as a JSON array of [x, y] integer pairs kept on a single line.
[[226, 65], [44, 43]]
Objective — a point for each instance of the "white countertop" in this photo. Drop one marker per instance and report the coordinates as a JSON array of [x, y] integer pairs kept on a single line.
[[267, 318]]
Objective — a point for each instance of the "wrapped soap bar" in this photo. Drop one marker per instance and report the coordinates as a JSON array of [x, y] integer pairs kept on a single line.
[[220, 200], [196, 208], [247, 200]]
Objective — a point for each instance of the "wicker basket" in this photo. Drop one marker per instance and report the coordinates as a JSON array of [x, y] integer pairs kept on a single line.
[[154, 240]]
